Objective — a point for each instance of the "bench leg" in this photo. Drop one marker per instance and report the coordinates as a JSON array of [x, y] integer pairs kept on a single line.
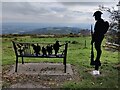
[[64, 65], [63, 61], [22, 61], [16, 64]]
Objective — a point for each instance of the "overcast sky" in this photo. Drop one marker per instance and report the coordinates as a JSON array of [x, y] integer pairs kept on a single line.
[[52, 12]]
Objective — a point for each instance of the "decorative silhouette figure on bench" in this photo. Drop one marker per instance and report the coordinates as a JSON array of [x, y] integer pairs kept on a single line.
[[49, 49], [44, 51], [56, 47], [20, 48], [27, 49], [36, 49]]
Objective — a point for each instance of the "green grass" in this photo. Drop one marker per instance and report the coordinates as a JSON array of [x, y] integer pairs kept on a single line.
[[78, 56]]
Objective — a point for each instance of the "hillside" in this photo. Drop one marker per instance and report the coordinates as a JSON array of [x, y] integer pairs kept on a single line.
[[54, 30], [17, 28]]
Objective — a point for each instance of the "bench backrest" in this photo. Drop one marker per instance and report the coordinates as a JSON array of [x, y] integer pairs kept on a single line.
[[28, 48]]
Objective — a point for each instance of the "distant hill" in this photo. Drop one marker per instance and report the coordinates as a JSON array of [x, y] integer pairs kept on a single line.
[[54, 30], [33, 28]]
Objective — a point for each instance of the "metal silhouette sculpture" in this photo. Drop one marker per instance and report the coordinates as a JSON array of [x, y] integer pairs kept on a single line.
[[36, 49], [49, 49], [20, 48], [44, 51], [56, 47], [100, 29]]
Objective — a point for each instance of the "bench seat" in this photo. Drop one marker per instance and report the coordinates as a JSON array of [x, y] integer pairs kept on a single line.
[[41, 56]]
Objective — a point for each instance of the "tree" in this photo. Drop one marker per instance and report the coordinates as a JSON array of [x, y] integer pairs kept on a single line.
[[114, 30]]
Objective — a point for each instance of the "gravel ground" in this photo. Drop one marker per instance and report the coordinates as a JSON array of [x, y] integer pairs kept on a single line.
[[21, 80]]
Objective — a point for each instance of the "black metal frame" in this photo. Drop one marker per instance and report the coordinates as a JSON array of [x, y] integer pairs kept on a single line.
[[64, 56]]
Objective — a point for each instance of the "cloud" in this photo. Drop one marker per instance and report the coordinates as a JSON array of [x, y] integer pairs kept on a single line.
[[58, 0], [50, 12]]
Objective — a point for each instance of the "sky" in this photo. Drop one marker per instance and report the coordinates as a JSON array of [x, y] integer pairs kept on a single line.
[[55, 11]]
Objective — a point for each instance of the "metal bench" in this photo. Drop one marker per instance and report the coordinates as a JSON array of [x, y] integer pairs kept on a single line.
[[25, 49]]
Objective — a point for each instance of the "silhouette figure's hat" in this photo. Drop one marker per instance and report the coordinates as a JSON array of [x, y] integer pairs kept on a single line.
[[97, 13]]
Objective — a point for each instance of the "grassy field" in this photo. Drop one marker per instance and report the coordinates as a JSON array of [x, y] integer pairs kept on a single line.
[[78, 55]]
